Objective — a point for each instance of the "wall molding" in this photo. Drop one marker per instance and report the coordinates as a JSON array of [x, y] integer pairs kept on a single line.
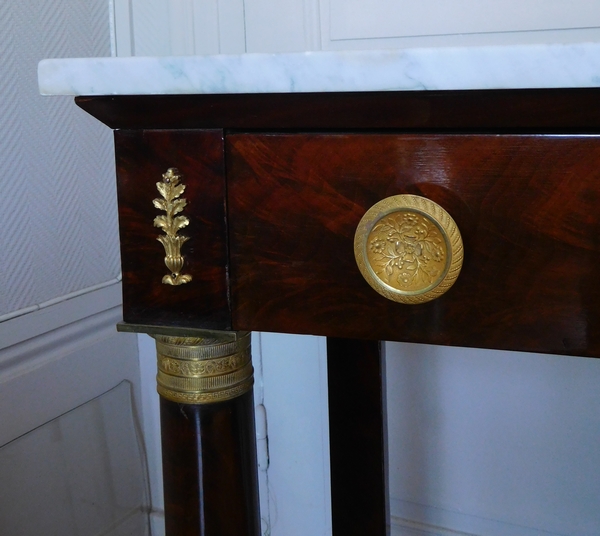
[[181, 27], [59, 299], [32, 353], [26, 324], [312, 24], [232, 27], [121, 28], [62, 356]]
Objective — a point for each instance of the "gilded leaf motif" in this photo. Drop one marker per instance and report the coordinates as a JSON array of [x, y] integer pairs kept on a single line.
[[159, 204], [171, 190], [179, 223]]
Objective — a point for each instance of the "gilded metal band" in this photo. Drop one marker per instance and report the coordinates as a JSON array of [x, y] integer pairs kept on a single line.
[[194, 370], [172, 203], [206, 368], [198, 348], [202, 384], [208, 397], [408, 248]]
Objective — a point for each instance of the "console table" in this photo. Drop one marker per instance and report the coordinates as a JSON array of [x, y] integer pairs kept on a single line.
[[239, 211]]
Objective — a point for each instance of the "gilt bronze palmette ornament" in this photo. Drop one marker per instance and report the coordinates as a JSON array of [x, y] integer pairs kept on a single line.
[[172, 203]]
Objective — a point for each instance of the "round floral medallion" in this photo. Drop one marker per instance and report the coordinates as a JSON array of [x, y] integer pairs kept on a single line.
[[408, 249]]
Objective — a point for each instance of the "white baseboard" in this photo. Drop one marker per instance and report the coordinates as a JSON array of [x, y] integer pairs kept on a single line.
[[406, 527], [135, 523], [412, 519]]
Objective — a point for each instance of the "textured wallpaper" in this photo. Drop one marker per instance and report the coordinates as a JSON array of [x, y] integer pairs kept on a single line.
[[57, 201]]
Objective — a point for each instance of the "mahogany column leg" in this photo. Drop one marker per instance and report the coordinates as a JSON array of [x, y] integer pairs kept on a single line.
[[208, 437], [357, 438]]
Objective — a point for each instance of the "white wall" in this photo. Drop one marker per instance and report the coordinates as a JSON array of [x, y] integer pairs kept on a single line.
[[481, 442], [493, 443], [360, 24], [164, 27], [71, 462], [59, 201], [59, 269]]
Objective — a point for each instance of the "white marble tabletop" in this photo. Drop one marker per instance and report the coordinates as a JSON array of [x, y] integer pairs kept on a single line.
[[497, 67]]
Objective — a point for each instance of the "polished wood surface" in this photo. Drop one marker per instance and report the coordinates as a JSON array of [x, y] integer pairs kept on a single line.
[[357, 439], [142, 157], [527, 207], [512, 167], [209, 468], [278, 187], [540, 110]]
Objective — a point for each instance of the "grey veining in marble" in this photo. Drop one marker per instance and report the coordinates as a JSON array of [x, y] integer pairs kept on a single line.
[[501, 67]]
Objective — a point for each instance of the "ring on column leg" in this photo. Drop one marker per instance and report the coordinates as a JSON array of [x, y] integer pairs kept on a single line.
[[194, 370]]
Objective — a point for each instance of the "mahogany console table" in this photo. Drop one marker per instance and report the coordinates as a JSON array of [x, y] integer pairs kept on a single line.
[[275, 187]]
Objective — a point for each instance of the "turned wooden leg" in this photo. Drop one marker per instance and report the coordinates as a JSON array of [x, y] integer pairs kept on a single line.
[[208, 436]]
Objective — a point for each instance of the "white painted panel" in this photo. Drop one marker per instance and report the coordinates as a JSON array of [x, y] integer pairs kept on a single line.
[[275, 26], [366, 19], [232, 26], [205, 19], [151, 27], [494, 443], [295, 398], [181, 27], [590, 35], [62, 369], [74, 354], [80, 474]]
